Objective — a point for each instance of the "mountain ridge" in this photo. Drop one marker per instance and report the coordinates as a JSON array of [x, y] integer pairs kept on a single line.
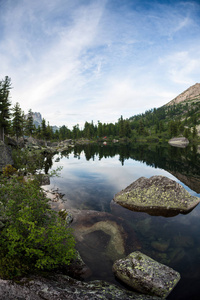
[[192, 93]]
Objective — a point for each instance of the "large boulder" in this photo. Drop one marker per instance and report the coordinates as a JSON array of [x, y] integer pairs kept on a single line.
[[180, 142], [5, 155], [146, 275], [157, 195], [63, 287]]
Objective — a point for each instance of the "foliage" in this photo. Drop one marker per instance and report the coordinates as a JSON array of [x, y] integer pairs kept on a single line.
[[30, 161], [5, 86], [9, 170], [163, 123], [34, 236], [17, 121], [29, 123]]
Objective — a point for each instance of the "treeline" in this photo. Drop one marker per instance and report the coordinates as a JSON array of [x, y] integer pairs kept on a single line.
[[90, 130], [161, 123], [168, 121], [14, 122]]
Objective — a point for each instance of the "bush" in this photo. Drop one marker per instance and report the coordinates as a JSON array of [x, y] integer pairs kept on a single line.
[[9, 170], [33, 237]]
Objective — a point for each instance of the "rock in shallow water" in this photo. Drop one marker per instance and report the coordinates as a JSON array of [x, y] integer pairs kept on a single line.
[[146, 275], [157, 195]]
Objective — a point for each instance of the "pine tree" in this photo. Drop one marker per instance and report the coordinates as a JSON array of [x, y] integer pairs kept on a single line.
[[99, 129], [121, 126], [5, 86], [49, 132], [194, 132], [127, 128], [29, 123], [17, 121]]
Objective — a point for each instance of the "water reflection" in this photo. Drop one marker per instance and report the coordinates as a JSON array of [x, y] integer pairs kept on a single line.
[[92, 174]]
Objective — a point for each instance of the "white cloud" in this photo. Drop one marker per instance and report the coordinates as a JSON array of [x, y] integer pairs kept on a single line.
[[96, 60], [182, 66]]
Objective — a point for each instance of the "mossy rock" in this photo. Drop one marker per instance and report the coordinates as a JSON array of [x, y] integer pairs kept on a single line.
[[62, 287], [146, 275], [157, 195]]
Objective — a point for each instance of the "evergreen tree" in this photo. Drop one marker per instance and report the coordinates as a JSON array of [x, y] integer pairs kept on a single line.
[[173, 128], [44, 129], [141, 128], [127, 128], [76, 132], [49, 132], [99, 129], [121, 126], [29, 124], [186, 132], [194, 132], [5, 86], [64, 133], [17, 121], [39, 132]]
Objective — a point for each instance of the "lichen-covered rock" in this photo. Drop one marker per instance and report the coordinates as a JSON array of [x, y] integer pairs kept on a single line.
[[157, 195], [146, 275], [63, 287]]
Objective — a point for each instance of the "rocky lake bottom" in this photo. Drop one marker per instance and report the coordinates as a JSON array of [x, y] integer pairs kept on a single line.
[[105, 231]]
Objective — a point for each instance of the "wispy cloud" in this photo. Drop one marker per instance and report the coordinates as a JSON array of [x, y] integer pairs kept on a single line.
[[96, 60]]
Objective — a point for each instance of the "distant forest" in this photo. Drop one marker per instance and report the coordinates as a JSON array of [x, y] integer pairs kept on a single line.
[[158, 124]]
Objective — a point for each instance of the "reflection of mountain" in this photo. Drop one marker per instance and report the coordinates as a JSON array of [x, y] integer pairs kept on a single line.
[[192, 182], [184, 164]]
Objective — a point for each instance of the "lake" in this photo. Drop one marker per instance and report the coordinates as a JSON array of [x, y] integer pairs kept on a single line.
[[92, 174]]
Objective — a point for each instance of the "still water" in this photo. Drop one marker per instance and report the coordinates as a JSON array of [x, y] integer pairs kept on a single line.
[[92, 174]]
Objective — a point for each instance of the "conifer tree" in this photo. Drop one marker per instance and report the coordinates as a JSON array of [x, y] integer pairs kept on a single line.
[[17, 121], [29, 124], [5, 86]]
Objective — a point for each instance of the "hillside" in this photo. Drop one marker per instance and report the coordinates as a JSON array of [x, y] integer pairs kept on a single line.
[[180, 116], [192, 93]]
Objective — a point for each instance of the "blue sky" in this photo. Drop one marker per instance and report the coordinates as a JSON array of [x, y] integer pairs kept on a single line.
[[84, 60]]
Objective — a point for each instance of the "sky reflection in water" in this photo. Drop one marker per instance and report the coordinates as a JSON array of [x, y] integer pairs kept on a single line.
[[91, 185]]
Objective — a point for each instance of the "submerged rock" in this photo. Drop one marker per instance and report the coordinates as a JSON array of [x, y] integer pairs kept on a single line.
[[62, 287], [146, 275], [160, 245], [157, 195], [183, 241], [99, 230]]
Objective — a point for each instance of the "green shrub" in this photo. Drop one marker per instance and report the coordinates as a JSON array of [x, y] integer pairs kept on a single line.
[[34, 236], [9, 170]]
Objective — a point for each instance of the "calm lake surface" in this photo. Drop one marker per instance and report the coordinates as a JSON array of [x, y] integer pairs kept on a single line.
[[92, 174]]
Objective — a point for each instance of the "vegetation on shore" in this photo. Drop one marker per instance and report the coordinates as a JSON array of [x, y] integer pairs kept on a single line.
[[32, 236], [159, 124]]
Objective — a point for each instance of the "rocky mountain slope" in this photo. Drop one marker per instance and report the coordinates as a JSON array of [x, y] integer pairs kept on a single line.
[[192, 93], [37, 119]]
